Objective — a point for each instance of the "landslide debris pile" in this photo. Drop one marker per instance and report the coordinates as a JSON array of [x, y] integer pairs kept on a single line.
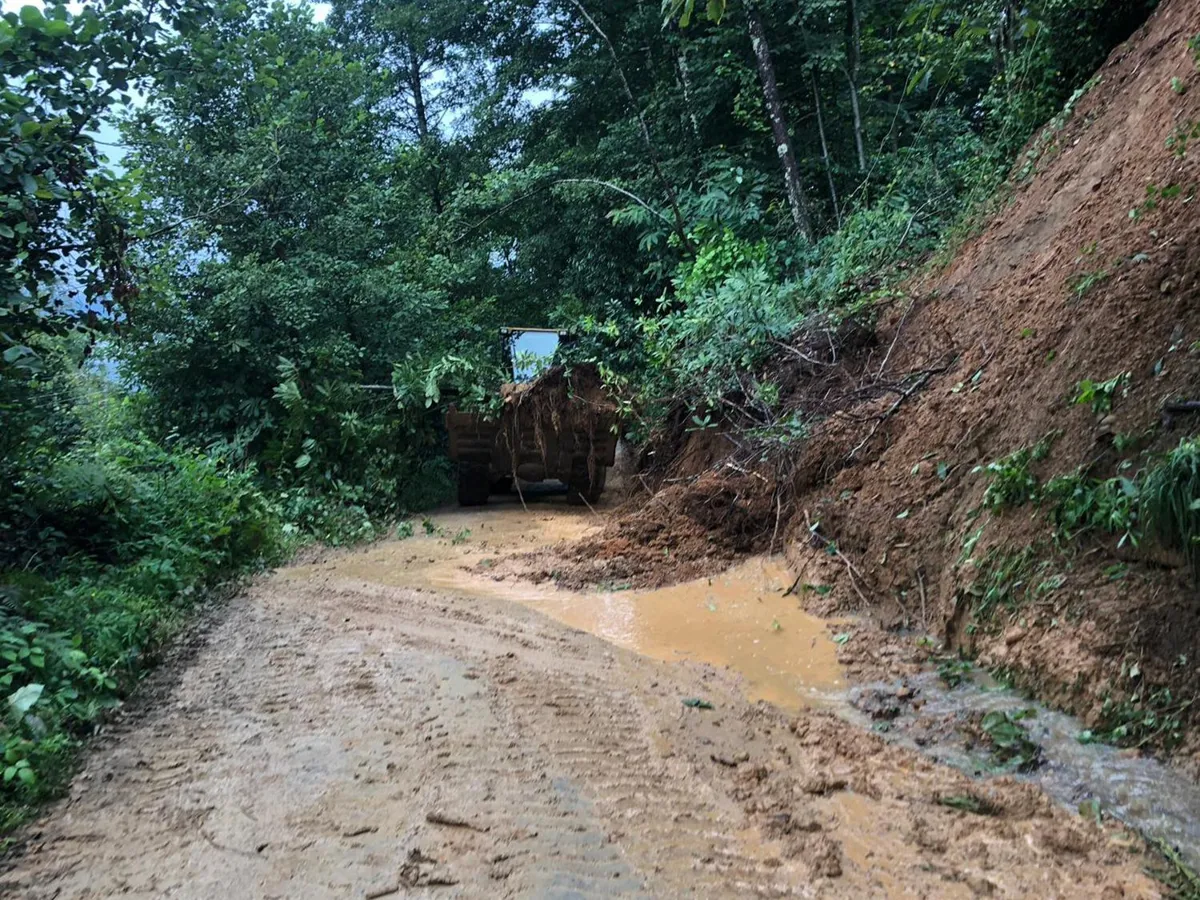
[[975, 469]]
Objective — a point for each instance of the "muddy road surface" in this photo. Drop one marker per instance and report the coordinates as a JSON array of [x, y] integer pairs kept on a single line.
[[395, 722]]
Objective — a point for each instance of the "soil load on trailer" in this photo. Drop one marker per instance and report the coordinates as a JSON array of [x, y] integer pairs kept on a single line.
[[561, 425]]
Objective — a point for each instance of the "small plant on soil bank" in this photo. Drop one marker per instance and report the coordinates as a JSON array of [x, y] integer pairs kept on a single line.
[[1081, 284], [1147, 716], [1079, 505], [1099, 395], [1011, 482], [1170, 498]]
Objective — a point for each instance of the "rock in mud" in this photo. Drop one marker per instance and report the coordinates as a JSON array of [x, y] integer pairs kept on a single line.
[[879, 702]]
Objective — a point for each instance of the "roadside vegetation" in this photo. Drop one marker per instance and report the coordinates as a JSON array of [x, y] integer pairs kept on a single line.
[[193, 336]]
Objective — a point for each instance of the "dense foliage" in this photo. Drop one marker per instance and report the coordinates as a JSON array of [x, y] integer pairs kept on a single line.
[[317, 227]]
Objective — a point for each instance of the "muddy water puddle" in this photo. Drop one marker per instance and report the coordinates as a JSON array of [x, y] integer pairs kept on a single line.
[[740, 619], [743, 620]]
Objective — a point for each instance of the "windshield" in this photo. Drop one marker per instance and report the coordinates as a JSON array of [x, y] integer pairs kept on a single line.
[[532, 353]]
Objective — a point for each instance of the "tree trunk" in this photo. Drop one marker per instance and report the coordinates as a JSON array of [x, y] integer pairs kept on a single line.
[[779, 127], [414, 85], [685, 79], [418, 95], [853, 56], [837, 213]]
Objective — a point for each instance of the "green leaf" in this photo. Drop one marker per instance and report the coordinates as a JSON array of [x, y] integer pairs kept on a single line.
[[302, 460], [57, 28], [32, 17]]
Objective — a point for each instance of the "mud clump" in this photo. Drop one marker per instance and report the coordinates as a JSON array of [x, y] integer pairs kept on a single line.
[[685, 531]]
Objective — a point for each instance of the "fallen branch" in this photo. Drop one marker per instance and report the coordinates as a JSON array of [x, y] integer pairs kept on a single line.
[[922, 378], [778, 513], [831, 546], [896, 336], [921, 585], [1178, 407], [808, 359]]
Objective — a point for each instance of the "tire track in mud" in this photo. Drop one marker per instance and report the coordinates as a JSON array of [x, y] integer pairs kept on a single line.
[[338, 738]]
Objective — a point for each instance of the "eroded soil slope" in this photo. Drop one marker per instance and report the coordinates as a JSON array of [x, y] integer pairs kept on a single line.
[[336, 736], [1088, 274]]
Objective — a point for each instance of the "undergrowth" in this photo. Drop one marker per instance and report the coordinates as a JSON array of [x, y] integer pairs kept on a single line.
[[1175, 873], [1158, 503], [110, 540]]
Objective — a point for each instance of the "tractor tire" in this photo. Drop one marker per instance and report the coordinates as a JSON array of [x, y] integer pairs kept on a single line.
[[581, 488], [473, 484]]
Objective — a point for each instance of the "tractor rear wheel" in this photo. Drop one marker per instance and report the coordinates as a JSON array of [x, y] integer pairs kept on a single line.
[[473, 484]]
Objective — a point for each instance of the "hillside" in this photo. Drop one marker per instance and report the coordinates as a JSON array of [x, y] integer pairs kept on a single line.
[[1087, 272]]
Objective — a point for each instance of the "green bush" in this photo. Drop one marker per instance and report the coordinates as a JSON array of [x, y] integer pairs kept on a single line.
[[1011, 483], [113, 538], [1079, 505], [729, 308]]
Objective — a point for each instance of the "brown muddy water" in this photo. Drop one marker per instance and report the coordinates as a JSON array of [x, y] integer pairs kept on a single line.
[[743, 620]]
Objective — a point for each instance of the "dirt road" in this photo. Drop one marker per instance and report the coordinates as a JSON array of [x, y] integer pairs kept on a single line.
[[413, 733]]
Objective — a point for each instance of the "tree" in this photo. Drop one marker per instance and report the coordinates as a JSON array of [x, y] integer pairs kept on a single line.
[[292, 263], [62, 225], [779, 123]]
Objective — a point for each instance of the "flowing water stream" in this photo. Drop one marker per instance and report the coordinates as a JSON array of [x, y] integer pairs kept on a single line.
[[1154, 798]]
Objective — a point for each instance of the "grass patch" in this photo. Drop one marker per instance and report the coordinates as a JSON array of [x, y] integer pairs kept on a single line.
[[1170, 502]]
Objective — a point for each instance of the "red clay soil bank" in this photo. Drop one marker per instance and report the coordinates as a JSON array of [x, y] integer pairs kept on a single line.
[[984, 357], [1025, 315]]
